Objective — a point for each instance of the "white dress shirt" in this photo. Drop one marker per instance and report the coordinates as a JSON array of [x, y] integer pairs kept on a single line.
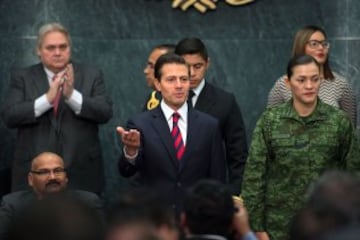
[[42, 104], [197, 92]]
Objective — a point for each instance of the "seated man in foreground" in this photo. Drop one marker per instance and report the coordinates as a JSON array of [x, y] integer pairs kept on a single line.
[[47, 177]]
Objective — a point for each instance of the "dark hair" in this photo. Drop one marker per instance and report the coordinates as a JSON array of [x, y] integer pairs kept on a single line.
[[59, 217], [191, 46], [333, 202], [324, 195], [140, 206], [209, 208], [166, 59], [299, 60], [301, 39]]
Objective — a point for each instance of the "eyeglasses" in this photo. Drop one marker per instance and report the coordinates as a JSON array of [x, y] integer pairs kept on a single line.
[[314, 44], [47, 172]]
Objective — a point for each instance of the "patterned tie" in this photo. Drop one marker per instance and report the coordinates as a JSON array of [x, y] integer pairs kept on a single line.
[[57, 99], [176, 135]]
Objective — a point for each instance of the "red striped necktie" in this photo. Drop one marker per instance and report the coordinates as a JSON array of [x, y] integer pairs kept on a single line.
[[176, 135]]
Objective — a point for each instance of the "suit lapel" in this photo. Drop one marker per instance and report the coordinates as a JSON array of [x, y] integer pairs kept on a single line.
[[206, 99], [191, 141], [162, 128], [39, 79]]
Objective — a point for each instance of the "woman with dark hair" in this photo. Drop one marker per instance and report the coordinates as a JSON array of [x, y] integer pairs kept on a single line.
[[292, 145], [334, 90]]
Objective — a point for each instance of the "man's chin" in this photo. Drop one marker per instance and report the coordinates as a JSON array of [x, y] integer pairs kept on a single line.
[[54, 189]]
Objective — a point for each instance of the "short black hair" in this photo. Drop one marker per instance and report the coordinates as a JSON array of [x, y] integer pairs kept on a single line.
[[166, 59], [58, 217], [143, 206], [299, 60], [191, 46], [209, 208], [333, 202]]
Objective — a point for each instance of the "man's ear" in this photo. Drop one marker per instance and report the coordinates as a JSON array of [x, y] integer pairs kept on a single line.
[[208, 63], [66, 179], [37, 51], [183, 223], [157, 85], [30, 179]]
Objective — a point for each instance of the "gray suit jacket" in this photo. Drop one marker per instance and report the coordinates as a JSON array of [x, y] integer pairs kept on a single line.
[[74, 137]]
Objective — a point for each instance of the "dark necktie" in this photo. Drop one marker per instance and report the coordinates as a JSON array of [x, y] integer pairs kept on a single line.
[[190, 96], [57, 99], [176, 135]]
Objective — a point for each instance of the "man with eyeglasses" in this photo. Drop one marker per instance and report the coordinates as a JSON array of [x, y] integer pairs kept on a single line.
[[47, 178]]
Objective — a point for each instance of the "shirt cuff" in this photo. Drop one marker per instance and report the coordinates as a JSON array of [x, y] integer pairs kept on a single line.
[[249, 236], [41, 105], [75, 101], [130, 159]]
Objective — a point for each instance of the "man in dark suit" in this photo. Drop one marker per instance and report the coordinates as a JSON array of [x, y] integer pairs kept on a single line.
[[219, 104], [47, 178], [165, 165], [56, 106]]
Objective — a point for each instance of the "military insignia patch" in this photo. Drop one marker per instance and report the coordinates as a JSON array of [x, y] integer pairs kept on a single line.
[[153, 101]]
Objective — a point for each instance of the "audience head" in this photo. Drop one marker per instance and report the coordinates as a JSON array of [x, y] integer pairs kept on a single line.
[[333, 203], [346, 233], [299, 60], [153, 57], [336, 196], [54, 46], [58, 217], [312, 40], [172, 79], [47, 174], [208, 209], [303, 79], [195, 54], [141, 214]]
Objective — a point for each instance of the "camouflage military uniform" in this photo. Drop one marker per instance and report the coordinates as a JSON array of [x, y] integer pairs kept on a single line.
[[286, 154]]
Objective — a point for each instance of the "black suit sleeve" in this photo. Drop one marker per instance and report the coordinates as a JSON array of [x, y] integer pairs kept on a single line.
[[97, 106], [6, 218], [18, 107], [126, 168], [234, 135], [218, 164]]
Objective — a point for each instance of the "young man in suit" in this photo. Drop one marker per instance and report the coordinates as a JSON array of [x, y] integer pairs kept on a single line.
[[56, 106], [47, 179], [219, 104], [166, 165]]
